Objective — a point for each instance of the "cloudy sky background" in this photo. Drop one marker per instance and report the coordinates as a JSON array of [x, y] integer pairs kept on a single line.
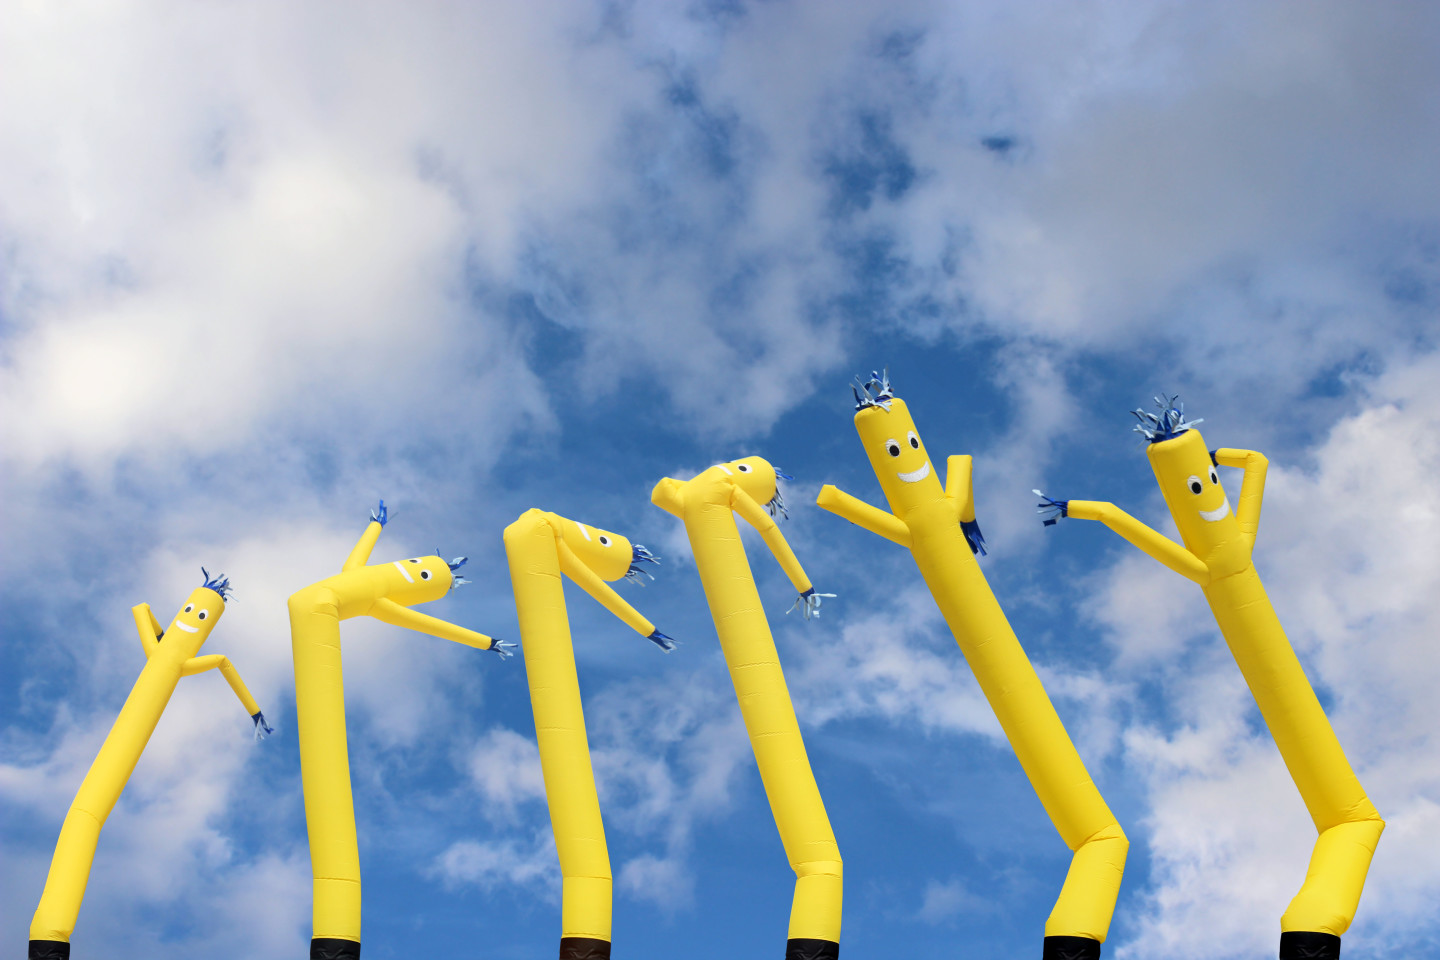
[[263, 263]]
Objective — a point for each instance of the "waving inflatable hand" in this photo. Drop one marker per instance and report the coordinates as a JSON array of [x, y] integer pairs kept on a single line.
[[540, 547], [708, 504], [1218, 543], [386, 592], [938, 526], [170, 654]]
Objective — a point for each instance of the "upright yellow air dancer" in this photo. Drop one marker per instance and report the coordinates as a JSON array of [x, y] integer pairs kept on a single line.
[[540, 547], [708, 504], [165, 663], [1217, 555], [938, 526], [386, 592]]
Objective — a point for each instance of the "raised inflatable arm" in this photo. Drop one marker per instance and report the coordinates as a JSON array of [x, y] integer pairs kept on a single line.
[[862, 514]]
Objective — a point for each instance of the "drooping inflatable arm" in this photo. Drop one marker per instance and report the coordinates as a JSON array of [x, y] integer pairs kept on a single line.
[[589, 581], [759, 518], [148, 627], [227, 670], [862, 514], [1150, 542], [1252, 488], [398, 615]]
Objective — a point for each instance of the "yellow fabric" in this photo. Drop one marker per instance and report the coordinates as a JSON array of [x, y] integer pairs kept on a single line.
[[540, 548], [926, 517], [1219, 546], [707, 504], [383, 591], [167, 660]]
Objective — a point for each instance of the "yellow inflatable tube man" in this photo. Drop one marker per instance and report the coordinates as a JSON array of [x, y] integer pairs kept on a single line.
[[165, 663], [1218, 544], [386, 592], [541, 547], [707, 504], [938, 525]]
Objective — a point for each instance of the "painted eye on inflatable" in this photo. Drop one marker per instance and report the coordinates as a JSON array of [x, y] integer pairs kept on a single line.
[[604, 540], [892, 448], [202, 614], [1214, 477], [416, 560], [743, 467], [188, 608], [1194, 484], [424, 574], [914, 440]]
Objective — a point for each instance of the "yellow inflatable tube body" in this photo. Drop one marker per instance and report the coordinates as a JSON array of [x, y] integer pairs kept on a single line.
[[1218, 544], [937, 524], [386, 592], [170, 654], [707, 504], [541, 547]]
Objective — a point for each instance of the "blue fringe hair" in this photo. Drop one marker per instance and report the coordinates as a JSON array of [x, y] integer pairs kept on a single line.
[[1168, 425], [220, 584], [882, 395]]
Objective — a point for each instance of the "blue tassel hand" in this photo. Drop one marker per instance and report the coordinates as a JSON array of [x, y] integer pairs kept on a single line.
[[262, 729], [1052, 510], [505, 649], [662, 641], [973, 536], [380, 515], [808, 603]]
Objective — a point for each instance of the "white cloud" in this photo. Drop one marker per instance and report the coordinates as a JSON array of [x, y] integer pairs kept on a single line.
[[504, 863]]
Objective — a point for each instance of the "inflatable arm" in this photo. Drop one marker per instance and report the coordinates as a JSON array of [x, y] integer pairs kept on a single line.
[[1151, 542], [148, 627], [1252, 488], [227, 670], [361, 554], [862, 514], [958, 486], [769, 530], [397, 615], [589, 581]]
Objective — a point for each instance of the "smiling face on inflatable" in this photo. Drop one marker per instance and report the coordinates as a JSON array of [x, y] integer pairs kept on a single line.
[[898, 457], [1191, 487], [192, 625], [606, 553], [419, 580], [754, 475]]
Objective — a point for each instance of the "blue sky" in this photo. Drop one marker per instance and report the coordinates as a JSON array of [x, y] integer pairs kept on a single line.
[[264, 264]]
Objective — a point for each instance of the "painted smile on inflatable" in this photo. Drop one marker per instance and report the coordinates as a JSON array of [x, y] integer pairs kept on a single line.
[[1217, 555]]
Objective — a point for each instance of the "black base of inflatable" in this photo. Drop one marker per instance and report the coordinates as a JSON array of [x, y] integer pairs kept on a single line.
[[332, 948], [49, 950], [584, 948], [803, 948], [1300, 945], [1071, 948]]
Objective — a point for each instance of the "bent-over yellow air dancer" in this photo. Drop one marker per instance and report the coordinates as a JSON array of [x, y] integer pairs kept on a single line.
[[170, 654], [541, 547], [938, 526], [386, 592], [707, 504], [1217, 555]]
